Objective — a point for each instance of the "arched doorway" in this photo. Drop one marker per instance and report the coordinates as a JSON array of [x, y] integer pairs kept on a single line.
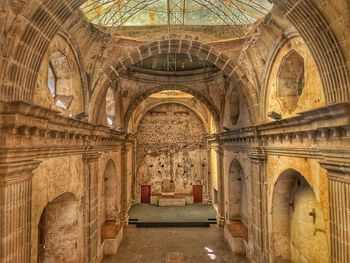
[[237, 194], [59, 236], [298, 226]]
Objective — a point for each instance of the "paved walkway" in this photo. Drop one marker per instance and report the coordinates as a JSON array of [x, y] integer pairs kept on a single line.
[[188, 213], [174, 245]]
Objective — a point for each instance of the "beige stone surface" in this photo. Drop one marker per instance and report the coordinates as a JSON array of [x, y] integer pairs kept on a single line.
[[312, 94], [54, 177], [245, 154]]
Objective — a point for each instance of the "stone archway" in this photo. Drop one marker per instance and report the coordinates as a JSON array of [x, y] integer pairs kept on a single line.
[[133, 106], [45, 19], [168, 101], [298, 231], [237, 193], [60, 238], [197, 49]]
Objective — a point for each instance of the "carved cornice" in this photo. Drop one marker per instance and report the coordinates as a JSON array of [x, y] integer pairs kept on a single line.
[[337, 171], [91, 156], [16, 171], [32, 126], [308, 128], [258, 155]]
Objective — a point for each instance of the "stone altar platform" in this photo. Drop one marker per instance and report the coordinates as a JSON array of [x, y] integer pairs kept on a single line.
[[171, 200]]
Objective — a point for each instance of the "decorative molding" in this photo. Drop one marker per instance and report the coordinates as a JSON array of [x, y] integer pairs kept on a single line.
[[308, 135], [24, 125], [29, 131]]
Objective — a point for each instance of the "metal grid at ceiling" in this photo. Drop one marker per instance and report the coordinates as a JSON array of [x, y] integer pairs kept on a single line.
[[115, 13]]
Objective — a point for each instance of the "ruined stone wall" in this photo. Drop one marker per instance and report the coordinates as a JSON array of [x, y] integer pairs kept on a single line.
[[62, 230], [308, 234], [171, 146]]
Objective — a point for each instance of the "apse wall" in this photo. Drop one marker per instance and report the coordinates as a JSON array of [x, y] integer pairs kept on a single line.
[[171, 148]]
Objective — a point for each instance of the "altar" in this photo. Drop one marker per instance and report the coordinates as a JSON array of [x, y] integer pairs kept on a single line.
[[171, 200], [168, 196]]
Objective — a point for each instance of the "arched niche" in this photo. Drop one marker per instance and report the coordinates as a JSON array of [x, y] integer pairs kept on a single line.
[[109, 204], [290, 80], [237, 193], [298, 225], [213, 113], [59, 238], [293, 82]]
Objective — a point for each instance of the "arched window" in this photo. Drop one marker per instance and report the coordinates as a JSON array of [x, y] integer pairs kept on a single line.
[[110, 106], [51, 81], [291, 75], [60, 79]]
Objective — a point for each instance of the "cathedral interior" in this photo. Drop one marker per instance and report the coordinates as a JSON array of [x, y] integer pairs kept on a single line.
[[124, 123]]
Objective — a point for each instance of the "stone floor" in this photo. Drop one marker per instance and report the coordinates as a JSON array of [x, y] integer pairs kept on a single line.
[[188, 213], [174, 245]]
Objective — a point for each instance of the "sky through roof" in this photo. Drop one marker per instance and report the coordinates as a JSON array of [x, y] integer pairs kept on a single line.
[[174, 12]]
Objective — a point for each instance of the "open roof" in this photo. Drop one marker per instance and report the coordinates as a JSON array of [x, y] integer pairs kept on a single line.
[[115, 13]]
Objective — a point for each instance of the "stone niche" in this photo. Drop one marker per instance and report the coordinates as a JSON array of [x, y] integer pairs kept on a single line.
[[172, 155]]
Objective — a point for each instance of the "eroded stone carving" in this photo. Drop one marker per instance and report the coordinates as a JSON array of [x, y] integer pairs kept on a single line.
[[171, 153]]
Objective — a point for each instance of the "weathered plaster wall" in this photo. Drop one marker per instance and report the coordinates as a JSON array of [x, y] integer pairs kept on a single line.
[[312, 95], [62, 230], [308, 237], [52, 178]]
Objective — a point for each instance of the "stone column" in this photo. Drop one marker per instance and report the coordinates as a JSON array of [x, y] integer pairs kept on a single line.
[[220, 216], [259, 223], [339, 208], [15, 210], [91, 206], [134, 172], [124, 185], [209, 186]]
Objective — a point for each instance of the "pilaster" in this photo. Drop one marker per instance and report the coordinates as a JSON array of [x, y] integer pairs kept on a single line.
[[15, 210], [220, 216], [339, 208], [90, 160], [124, 182], [259, 223]]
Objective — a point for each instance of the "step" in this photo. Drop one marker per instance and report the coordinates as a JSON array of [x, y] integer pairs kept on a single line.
[[171, 224]]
